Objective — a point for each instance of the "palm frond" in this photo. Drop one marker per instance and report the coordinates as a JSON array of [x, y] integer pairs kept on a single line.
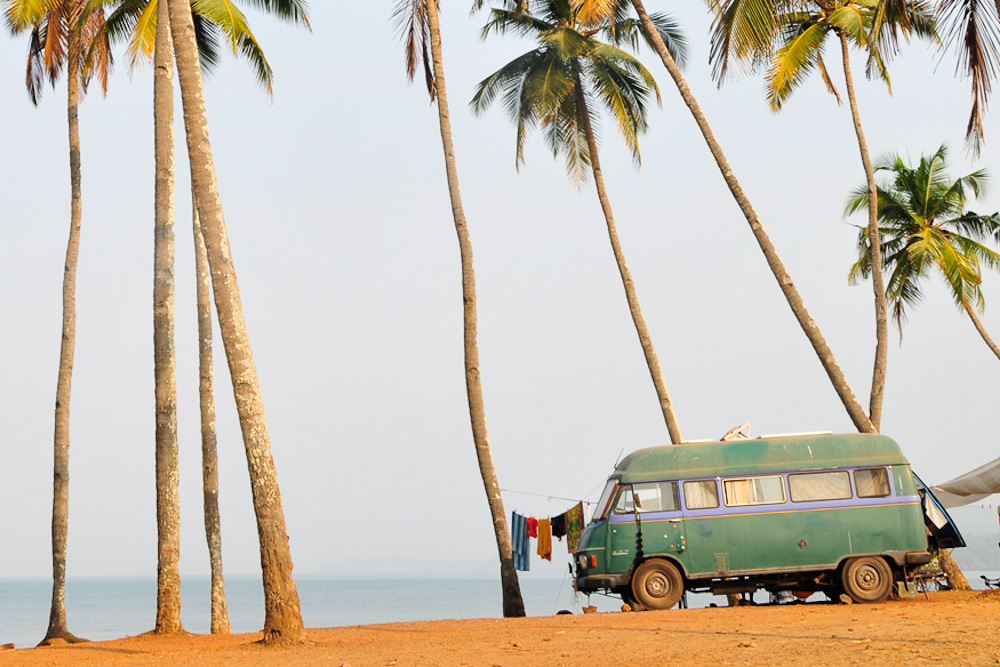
[[744, 30], [410, 17], [791, 64], [291, 11], [973, 27]]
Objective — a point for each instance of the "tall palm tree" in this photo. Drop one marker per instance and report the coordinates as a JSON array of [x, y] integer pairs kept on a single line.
[[61, 33], [421, 32], [558, 86], [168, 506], [282, 614], [209, 442], [788, 39], [925, 228], [145, 24], [797, 305]]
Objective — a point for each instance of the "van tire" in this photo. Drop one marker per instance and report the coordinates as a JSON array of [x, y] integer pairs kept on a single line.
[[867, 579], [657, 584]]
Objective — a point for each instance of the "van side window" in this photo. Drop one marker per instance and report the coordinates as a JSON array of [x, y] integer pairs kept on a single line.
[[804, 487], [701, 495], [649, 496], [754, 491], [872, 482]]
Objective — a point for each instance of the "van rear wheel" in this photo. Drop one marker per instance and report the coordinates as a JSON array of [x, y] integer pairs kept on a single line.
[[657, 584], [867, 579]]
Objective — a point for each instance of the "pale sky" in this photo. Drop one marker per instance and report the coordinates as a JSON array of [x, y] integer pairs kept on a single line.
[[337, 209]]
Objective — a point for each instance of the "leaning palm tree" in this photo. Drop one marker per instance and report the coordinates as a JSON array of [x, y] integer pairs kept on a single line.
[[282, 614], [145, 25], [61, 33], [421, 31], [788, 39], [834, 372], [559, 86], [926, 229]]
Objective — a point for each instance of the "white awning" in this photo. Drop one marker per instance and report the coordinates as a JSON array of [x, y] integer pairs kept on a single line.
[[970, 487]]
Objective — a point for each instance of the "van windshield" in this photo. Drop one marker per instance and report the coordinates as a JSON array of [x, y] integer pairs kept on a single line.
[[602, 504]]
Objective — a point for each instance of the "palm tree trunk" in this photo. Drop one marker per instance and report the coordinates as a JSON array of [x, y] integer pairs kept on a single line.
[[840, 384], [209, 443], [645, 340], [513, 604], [956, 579], [168, 581], [980, 328], [874, 242], [282, 614], [60, 461]]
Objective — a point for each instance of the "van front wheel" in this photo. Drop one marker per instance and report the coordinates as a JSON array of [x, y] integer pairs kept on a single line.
[[657, 584], [867, 579]]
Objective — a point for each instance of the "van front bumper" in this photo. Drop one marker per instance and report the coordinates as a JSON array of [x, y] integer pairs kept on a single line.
[[597, 582]]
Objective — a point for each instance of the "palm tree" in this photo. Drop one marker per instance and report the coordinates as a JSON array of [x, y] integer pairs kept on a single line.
[[789, 38], [925, 228], [145, 24], [421, 31], [823, 352], [209, 442], [168, 506], [282, 614], [61, 33], [556, 86]]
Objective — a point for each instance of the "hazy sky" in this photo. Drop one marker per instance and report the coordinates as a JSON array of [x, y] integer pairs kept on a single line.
[[337, 210]]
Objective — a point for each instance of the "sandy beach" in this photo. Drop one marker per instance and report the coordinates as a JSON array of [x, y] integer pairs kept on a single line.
[[957, 628]]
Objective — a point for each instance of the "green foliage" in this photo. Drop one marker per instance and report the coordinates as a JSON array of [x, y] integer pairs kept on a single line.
[[923, 226], [216, 22], [553, 86], [62, 33], [786, 37]]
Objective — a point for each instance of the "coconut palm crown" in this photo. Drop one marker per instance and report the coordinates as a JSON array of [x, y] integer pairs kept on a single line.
[[540, 87], [787, 38], [924, 227], [217, 23]]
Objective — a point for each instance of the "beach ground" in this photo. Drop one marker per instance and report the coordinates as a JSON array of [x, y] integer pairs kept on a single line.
[[954, 628]]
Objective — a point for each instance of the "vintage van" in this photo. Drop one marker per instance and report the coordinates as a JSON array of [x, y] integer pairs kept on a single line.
[[832, 513]]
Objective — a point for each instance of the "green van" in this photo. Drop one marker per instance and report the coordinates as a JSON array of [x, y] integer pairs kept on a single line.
[[831, 513]]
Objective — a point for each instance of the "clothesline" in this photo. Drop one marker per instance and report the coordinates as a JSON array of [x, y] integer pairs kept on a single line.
[[542, 495], [522, 528]]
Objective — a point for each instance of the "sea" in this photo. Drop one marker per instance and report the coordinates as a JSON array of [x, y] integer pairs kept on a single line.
[[114, 607]]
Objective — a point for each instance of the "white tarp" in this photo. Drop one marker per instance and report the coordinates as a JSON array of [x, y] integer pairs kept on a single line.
[[970, 487]]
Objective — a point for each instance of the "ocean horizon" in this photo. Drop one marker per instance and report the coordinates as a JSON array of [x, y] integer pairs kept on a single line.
[[112, 607], [101, 608]]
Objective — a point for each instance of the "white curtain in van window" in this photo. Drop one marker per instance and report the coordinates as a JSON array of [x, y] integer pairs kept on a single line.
[[970, 487]]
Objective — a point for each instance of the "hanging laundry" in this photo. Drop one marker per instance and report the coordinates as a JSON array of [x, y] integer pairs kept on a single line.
[[519, 542], [559, 526], [545, 539], [574, 526], [532, 527]]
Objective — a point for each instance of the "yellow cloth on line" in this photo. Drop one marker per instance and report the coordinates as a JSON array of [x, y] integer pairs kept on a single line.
[[545, 539]]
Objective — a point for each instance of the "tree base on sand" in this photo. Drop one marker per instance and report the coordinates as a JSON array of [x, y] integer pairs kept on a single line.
[[59, 638], [956, 580]]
